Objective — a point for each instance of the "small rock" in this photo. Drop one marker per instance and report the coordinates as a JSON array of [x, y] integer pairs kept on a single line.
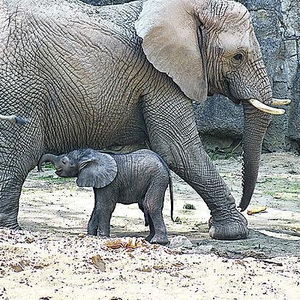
[[204, 249], [189, 206], [180, 241]]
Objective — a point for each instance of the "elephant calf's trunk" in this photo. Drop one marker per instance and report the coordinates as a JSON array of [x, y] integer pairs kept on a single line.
[[47, 158]]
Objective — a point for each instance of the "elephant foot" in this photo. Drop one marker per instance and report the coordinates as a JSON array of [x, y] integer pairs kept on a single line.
[[93, 233], [14, 227], [159, 239], [149, 237], [233, 227], [92, 230], [17, 227], [9, 223]]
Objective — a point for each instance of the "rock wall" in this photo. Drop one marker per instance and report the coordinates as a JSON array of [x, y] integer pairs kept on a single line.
[[277, 26]]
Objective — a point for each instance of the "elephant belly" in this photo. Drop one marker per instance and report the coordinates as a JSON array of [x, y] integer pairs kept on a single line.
[[128, 196], [105, 129]]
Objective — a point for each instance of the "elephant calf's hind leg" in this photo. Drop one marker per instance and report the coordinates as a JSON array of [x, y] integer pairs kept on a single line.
[[9, 203], [153, 209]]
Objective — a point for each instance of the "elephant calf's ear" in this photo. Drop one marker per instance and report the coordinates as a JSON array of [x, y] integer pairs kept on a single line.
[[97, 170]]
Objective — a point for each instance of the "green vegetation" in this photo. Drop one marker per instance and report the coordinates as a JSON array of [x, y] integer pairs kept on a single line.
[[53, 179], [276, 186], [189, 206], [48, 166], [221, 152]]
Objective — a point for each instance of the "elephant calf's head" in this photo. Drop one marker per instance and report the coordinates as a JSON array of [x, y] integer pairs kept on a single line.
[[207, 47], [66, 166], [92, 168]]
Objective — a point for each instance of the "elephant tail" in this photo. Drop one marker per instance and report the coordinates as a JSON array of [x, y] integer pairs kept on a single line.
[[146, 219], [170, 185], [171, 196]]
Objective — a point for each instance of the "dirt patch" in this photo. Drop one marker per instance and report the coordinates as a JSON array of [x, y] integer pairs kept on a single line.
[[54, 259]]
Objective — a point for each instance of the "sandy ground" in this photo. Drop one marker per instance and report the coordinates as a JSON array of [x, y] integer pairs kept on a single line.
[[53, 258]]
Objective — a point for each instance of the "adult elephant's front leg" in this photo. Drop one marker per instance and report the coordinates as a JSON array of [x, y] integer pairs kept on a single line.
[[173, 134]]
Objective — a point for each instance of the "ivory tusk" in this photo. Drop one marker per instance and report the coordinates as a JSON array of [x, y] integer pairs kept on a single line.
[[265, 108], [281, 101]]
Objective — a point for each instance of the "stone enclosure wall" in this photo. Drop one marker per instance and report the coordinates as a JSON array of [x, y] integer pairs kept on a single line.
[[220, 122]]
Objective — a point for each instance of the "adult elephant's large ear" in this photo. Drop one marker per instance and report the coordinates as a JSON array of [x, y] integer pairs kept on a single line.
[[170, 34], [96, 170]]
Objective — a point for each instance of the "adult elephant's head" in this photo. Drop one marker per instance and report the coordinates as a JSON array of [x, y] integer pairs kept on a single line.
[[207, 47]]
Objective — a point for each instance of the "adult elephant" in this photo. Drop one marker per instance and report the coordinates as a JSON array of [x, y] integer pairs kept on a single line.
[[126, 74]]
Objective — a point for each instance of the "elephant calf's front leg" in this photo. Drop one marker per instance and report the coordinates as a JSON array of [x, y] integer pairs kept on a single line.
[[93, 223], [99, 222]]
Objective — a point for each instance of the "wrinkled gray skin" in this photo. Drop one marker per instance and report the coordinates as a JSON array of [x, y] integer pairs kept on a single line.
[[139, 177], [80, 75]]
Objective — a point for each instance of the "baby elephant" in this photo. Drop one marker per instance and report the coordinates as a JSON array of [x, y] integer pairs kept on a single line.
[[139, 177]]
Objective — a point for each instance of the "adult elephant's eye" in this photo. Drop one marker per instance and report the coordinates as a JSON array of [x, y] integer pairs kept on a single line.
[[238, 57]]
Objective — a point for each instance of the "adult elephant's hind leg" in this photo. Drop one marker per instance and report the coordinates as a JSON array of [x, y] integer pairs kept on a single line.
[[9, 201], [173, 134], [20, 149]]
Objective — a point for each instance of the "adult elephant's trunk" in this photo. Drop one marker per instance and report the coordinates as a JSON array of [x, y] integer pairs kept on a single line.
[[255, 127], [47, 158]]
